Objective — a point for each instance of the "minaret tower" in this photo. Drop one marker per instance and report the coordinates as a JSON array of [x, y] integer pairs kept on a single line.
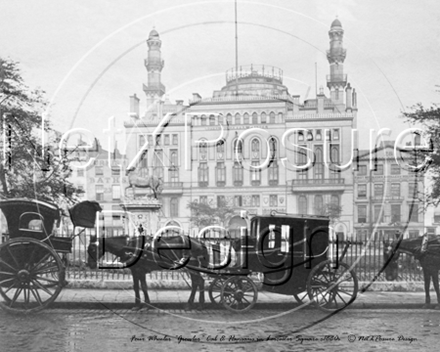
[[336, 81], [154, 64]]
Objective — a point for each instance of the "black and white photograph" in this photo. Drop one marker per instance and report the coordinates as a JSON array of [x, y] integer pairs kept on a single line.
[[219, 175]]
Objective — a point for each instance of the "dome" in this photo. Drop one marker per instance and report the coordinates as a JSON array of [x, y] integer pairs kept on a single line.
[[153, 33], [336, 23]]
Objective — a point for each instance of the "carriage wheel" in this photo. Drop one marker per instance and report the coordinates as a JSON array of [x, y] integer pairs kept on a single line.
[[239, 294], [31, 275], [332, 289], [215, 290], [301, 297]]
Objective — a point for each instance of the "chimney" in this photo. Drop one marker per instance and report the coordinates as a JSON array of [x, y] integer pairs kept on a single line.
[[196, 97], [134, 106]]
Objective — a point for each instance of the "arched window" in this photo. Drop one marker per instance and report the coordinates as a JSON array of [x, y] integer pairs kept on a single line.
[[228, 120], [203, 151], [237, 150], [263, 117], [300, 137], [203, 120], [246, 118], [335, 199], [237, 174], [272, 117], [319, 205], [319, 165], [273, 151], [280, 117], [302, 204], [255, 148], [254, 118], [220, 149], [237, 119], [212, 120]]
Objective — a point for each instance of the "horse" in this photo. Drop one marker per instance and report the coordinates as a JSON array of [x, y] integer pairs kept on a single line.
[[427, 252], [152, 182], [143, 259]]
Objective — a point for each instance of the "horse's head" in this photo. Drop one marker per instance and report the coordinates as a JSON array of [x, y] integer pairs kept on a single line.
[[92, 251], [390, 256]]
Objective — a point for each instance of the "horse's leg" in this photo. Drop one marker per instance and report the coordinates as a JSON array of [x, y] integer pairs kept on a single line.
[[144, 286], [434, 274], [201, 284], [193, 292], [137, 299], [427, 281]]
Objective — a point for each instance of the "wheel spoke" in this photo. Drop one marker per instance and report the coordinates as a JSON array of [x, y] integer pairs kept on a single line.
[[42, 287], [13, 257], [9, 288], [16, 295], [37, 296], [42, 260], [46, 279], [8, 265], [6, 280], [6, 273]]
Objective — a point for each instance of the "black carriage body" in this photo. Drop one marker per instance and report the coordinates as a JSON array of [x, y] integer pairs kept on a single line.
[[34, 219], [286, 249]]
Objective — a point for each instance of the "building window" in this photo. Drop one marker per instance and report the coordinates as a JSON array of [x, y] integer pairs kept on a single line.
[[175, 139], [144, 161], [302, 204], [203, 174], [246, 118], [272, 117], [220, 149], [273, 200], [203, 151], [302, 174], [395, 213], [395, 169], [203, 199], [158, 166], [318, 135], [238, 174], [212, 120], [254, 118], [263, 117], [80, 173], [141, 141], [412, 190], [378, 190], [173, 174], [99, 189], [334, 200], [379, 169], [237, 149], [362, 214], [273, 173], [334, 154], [220, 174], [166, 140], [174, 208], [221, 201], [255, 148], [237, 119], [99, 170], [158, 137], [362, 191], [336, 134], [318, 205], [273, 150], [255, 173], [378, 217], [300, 137], [174, 160], [413, 233], [319, 165], [238, 201], [203, 120], [414, 212], [362, 170], [255, 200], [395, 189], [116, 191]]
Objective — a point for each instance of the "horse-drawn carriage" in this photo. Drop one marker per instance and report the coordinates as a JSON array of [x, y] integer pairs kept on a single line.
[[32, 273], [294, 255]]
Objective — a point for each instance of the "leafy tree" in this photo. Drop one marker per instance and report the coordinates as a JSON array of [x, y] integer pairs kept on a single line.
[[332, 210], [203, 214], [26, 170], [429, 120]]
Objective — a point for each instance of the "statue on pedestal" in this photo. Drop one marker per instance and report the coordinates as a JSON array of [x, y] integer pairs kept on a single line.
[[153, 182]]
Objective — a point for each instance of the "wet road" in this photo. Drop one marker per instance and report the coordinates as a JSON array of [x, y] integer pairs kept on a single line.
[[218, 330]]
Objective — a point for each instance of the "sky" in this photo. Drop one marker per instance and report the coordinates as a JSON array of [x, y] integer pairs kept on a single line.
[[88, 56]]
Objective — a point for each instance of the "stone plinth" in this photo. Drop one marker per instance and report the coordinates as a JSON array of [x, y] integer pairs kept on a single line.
[[142, 211]]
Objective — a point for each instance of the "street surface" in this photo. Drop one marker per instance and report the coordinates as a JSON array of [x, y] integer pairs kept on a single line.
[[219, 330]]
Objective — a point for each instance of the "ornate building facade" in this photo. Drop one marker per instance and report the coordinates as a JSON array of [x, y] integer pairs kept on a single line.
[[242, 146]]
